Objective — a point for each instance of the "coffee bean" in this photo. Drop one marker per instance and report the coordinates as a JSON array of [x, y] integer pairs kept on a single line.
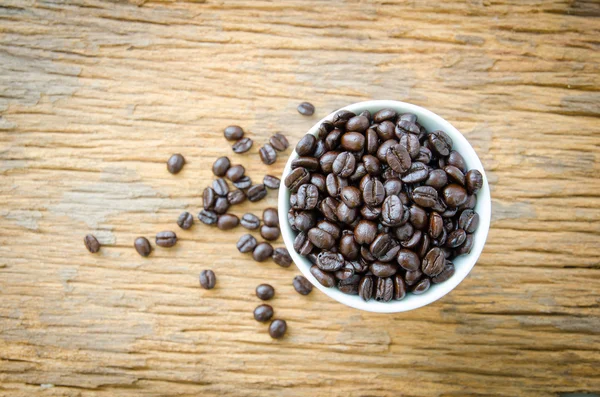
[[282, 257], [382, 244], [320, 149], [277, 329], [392, 211], [348, 247], [175, 163], [445, 274], [268, 155], [227, 221], [398, 159], [319, 181], [468, 220], [381, 153], [334, 184], [436, 225], [256, 193], [91, 243], [457, 160], [271, 182], [421, 287], [365, 288], [208, 198], [221, 205], [242, 146], [308, 197], [326, 279], [454, 195], [465, 248], [381, 269], [344, 164], [263, 313], [352, 141], [440, 143], [297, 178], [372, 165], [365, 232], [236, 197], [330, 228], [417, 172], [469, 204], [262, 252], [345, 272], [424, 155], [326, 161], [269, 232], [370, 213], [185, 220], [399, 287], [411, 143], [404, 232], [434, 262], [208, 217], [385, 130], [302, 285], [265, 292], [359, 172], [320, 238], [270, 217], [332, 141], [310, 163], [208, 279], [456, 238], [408, 260], [437, 179], [346, 214], [372, 141], [246, 243], [220, 187], [414, 240], [329, 261], [250, 221], [351, 196], [350, 285], [233, 133], [455, 174], [374, 193], [341, 118], [406, 126], [220, 166], [166, 239], [306, 109], [474, 181], [305, 220], [357, 124], [306, 145], [425, 196], [235, 173], [279, 142], [384, 289], [412, 277], [142, 246], [392, 187], [385, 114]]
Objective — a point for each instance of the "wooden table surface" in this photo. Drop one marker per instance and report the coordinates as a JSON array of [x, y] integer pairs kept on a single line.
[[95, 96]]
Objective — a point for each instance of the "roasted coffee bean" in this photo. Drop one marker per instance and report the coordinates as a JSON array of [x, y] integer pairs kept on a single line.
[[425, 196], [142, 246], [474, 181], [381, 269], [175, 163], [267, 154], [418, 217], [392, 211], [370, 213], [270, 217], [399, 287], [332, 141], [320, 149], [279, 142], [341, 118], [365, 253], [346, 214], [208, 217], [372, 165], [408, 260], [411, 144], [466, 247], [385, 130], [302, 244], [233, 133], [423, 246], [329, 261], [235, 173], [243, 183], [382, 245], [227, 221], [263, 313], [270, 233], [421, 287], [414, 240], [246, 243], [302, 285], [221, 205], [236, 197], [406, 126], [330, 228], [306, 145], [220, 187], [277, 329], [365, 288], [457, 160], [344, 165], [385, 114], [345, 272], [308, 197], [365, 232], [185, 220], [306, 109], [392, 187], [469, 204], [468, 220], [326, 161], [454, 195], [297, 178], [381, 153], [445, 274], [243, 145], [348, 246], [437, 179], [357, 124], [256, 193], [291, 217], [250, 221], [351, 196], [440, 143], [404, 232], [372, 141], [220, 166], [262, 252], [326, 279], [310, 163], [305, 220], [441, 239], [384, 289], [325, 128], [271, 182], [367, 114], [91, 243], [208, 198], [359, 172], [424, 155], [456, 238], [265, 292], [417, 172], [321, 238], [373, 193], [166, 239], [433, 262], [398, 159], [455, 174], [412, 277], [319, 181], [282, 257], [334, 184], [350, 285], [208, 279], [436, 225], [352, 141]]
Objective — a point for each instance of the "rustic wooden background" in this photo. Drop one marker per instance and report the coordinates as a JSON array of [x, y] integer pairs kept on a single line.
[[95, 96]]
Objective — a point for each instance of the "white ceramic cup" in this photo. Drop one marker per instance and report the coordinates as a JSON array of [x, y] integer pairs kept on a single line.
[[463, 264]]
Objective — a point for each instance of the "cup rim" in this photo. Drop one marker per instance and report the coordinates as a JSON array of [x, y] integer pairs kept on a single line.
[[463, 264]]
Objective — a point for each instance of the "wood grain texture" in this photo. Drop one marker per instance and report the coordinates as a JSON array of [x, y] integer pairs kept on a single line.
[[94, 98]]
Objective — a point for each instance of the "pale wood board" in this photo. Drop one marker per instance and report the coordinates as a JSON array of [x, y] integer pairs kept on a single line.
[[95, 96]]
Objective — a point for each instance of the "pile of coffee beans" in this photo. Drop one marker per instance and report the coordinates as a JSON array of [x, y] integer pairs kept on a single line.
[[381, 206]]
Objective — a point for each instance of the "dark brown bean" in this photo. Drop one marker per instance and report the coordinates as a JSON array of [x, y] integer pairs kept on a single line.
[[279, 142], [436, 225], [326, 279], [185, 220], [166, 239], [385, 130], [381, 269], [271, 182], [392, 211], [267, 154], [246, 243], [207, 279], [412, 277], [236, 197], [310, 163], [341, 117], [306, 109], [175, 163], [142, 246], [417, 172], [262, 252], [243, 145], [235, 173], [91, 243], [466, 247], [440, 143], [365, 288], [421, 287], [263, 313], [457, 160], [277, 329], [297, 178], [425, 196], [437, 179], [208, 217], [243, 183], [221, 205], [445, 274], [233, 133], [344, 164], [256, 193], [302, 244], [208, 198], [320, 238], [408, 260], [385, 114], [352, 141], [270, 233], [220, 166], [302, 285], [398, 159], [474, 181], [329, 261], [220, 187], [227, 221], [384, 289], [454, 195], [250, 221], [399, 287], [265, 292], [434, 262], [282, 257], [306, 145]]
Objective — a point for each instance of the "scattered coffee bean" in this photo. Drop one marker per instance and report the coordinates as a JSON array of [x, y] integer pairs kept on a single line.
[[306, 145], [220, 166], [474, 181], [166, 239], [277, 329], [324, 278], [221, 205], [208, 279], [263, 313], [220, 187], [243, 183], [282, 257], [270, 217], [208, 217], [268, 155], [265, 292], [242, 146], [306, 109], [142, 246], [246, 243], [250, 221], [270, 233], [175, 163], [271, 182], [233, 133], [91, 243], [302, 285], [365, 288], [227, 221], [262, 252], [235, 173], [185, 220], [236, 197], [256, 193], [208, 198], [279, 142]]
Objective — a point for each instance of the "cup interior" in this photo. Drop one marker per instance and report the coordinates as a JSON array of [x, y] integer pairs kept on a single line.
[[463, 264]]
